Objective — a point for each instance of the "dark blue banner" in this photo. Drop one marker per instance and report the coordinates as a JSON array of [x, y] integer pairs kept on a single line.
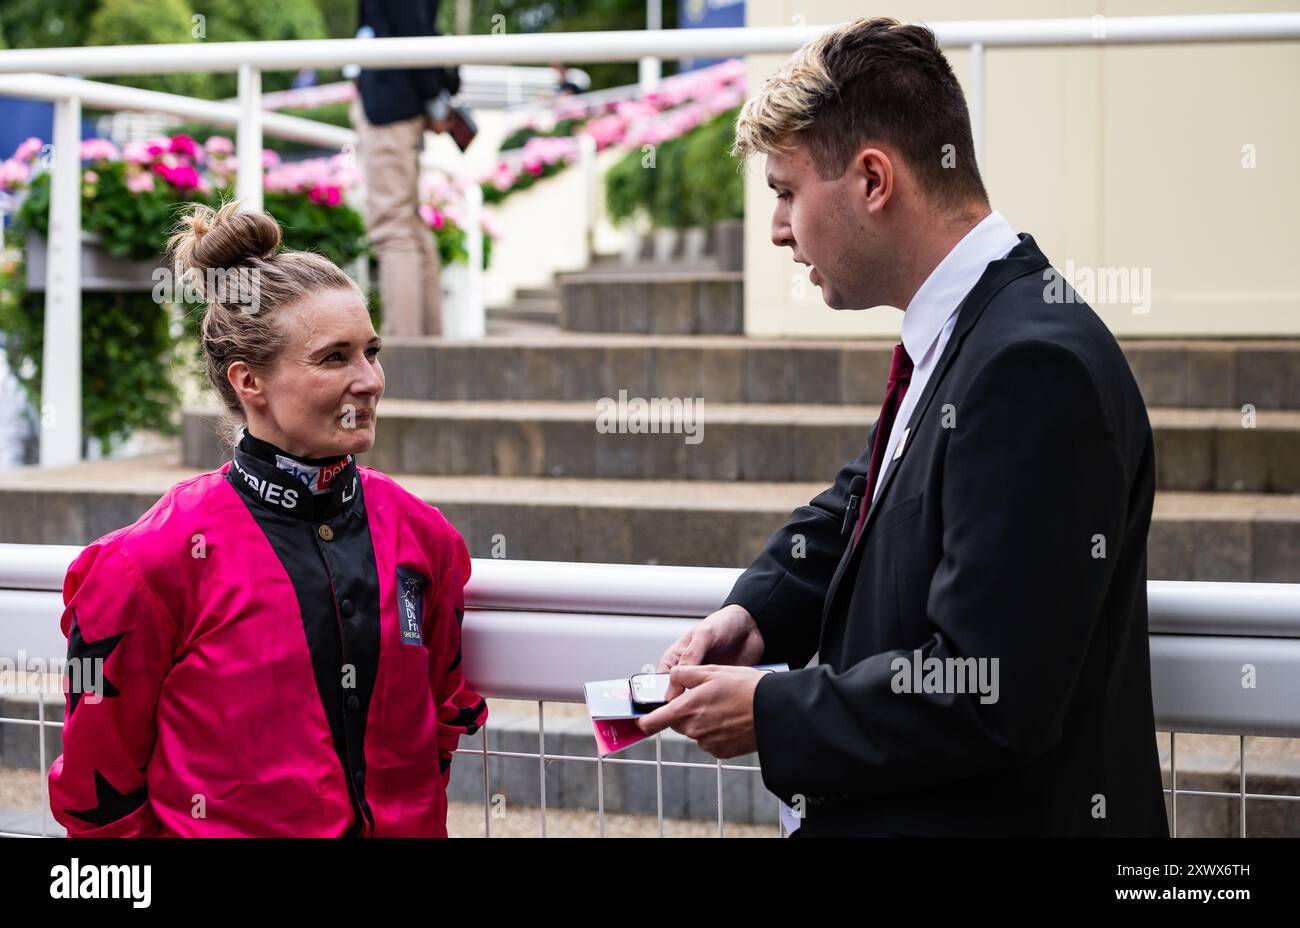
[[708, 14]]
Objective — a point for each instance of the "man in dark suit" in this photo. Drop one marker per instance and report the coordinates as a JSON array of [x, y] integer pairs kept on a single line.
[[974, 583]]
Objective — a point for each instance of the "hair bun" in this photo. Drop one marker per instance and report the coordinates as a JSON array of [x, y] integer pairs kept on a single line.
[[205, 238]]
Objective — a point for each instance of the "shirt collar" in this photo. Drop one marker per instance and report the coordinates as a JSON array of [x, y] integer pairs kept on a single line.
[[306, 488], [953, 278]]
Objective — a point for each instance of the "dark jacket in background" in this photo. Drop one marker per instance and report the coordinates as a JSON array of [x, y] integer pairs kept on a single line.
[[390, 95]]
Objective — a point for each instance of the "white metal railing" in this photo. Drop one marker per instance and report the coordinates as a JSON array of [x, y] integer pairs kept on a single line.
[[61, 373], [538, 630]]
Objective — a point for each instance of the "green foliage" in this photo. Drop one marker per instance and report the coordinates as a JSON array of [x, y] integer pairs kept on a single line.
[[147, 22], [628, 187], [674, 201], [126, 355], [565, 16], [694, 180], [337, 232], [453, 245], [492, 195], [712, 175], [259, 21], [516, 139], [45, 23], [130, 225]]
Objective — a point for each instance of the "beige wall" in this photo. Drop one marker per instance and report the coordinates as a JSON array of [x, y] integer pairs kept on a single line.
[[1110, 158]]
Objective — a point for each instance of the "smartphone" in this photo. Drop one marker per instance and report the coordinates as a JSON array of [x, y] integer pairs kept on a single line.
[[649, 691]]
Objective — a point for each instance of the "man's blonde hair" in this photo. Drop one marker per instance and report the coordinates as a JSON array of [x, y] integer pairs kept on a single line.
[[871, 80]]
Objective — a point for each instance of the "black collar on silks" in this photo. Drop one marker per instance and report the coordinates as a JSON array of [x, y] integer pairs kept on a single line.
[[313, 489]]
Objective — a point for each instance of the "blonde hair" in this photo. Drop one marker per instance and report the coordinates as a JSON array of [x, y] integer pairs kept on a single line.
[[231, 256], [869, 80]]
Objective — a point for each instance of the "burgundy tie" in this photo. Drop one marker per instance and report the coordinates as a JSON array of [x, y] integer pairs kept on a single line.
[[900, 375]]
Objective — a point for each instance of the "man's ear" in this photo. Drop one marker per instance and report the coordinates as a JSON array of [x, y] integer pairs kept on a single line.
[[873, 177], [247, 385]]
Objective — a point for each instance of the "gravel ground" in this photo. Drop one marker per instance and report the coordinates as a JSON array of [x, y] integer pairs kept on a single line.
[[21, 789]]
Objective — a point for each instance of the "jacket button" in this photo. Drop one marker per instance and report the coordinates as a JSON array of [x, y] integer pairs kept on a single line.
[[360, 777], [353, 703], [325, 532], [345, 607]]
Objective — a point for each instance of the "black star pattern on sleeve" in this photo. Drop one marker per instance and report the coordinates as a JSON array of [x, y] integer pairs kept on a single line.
[[82, 655], [110, 804]]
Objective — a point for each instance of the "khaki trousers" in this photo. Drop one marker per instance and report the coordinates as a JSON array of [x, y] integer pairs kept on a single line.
[[402, 242]]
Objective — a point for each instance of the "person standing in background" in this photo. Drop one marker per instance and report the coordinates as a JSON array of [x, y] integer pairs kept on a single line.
[[391, 112]]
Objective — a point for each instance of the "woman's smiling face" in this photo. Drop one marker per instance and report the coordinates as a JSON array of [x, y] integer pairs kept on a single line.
[[320, 399]]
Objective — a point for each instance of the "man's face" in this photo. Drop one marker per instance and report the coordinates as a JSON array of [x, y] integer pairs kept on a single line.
[[826, 228]]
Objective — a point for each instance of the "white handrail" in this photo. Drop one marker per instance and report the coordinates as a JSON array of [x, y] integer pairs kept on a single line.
[[213, 112], [630, 45], [1176, 607], [538, 630]]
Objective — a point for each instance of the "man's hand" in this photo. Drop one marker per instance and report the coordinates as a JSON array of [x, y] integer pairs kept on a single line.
[[729, 636], [716, 710]]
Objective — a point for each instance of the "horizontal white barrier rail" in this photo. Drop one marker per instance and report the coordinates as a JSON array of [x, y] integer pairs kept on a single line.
[[113, 97], [629, 45], [539, 630]]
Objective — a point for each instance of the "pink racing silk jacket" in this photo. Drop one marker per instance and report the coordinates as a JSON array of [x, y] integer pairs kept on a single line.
[[273, 649]]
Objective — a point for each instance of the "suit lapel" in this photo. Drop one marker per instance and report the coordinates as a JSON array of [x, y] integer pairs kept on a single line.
[[1025, 258]]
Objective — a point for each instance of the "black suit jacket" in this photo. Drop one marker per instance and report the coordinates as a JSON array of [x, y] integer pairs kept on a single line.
[[1014, 526], [393, 94]]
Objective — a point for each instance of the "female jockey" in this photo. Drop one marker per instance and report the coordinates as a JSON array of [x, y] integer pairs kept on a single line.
[[275, 645]]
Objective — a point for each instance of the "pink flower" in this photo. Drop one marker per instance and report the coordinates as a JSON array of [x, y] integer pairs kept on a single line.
[[139, 181], [184, 145], [136, 153], [14, 172], [183, 177], [431, 215], [158, 146], [329, 194], [28, 149], [89, 177], [270, 158], [99, 150], [219, 145], [186, 178]]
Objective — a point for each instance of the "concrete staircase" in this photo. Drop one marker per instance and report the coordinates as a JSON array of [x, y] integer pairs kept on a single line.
[[501, 434]]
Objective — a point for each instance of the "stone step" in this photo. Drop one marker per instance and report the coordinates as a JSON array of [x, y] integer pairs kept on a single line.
[[671, 301], [528, 309], [535, 363], [1194, 536], [1196, 449], [537, 293]]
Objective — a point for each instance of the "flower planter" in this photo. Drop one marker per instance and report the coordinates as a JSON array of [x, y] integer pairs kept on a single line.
[[665, 244], [694, 241], [633, 244], [729, 238], [99, 269]]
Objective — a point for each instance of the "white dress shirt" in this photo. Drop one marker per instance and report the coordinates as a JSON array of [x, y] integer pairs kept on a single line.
[[932, 313]]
